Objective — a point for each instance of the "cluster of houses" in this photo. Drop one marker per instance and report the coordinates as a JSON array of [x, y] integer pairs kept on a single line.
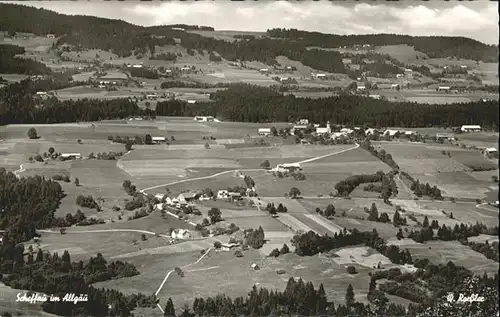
[[186, 198], [303, 125]]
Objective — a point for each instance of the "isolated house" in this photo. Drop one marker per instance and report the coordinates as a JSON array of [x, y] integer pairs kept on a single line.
[[470, 128], [234, 196], [264, 70], [394, 86], [51, 36], [264, 131], [374, 96], [180, 234], [288, 167], [71, 156], [400, 76], [255, 267], [191, 101], [41, 93], [362, 87], [346, 130], [491, 151], [443, 88], [158, 139], [303, 122]]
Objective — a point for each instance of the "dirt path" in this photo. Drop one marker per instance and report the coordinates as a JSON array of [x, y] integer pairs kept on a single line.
[[171, 271]]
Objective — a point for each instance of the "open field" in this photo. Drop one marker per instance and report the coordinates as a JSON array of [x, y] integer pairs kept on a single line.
[[440, 252], [235, 276], [34, 44], [111, 244]]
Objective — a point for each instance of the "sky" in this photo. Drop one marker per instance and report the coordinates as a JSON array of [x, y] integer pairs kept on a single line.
[[474, 19]]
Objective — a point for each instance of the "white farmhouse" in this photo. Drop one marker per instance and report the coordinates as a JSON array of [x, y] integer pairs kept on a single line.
[[181, 234], [470, 128], [264, 131], [491, 151], [71, 155], [229, 246], [287, 167], [158, 139]]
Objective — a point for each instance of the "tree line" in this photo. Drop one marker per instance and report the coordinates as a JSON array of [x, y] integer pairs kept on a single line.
[[310, 243]]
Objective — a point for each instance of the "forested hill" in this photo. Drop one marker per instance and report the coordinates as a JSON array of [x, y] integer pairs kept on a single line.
[[125, 39], [248, 103], [433, 46]]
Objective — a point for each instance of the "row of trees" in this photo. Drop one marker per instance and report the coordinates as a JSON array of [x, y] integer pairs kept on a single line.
[[345, 187], [447, 233], [423, 189], [311, 243]]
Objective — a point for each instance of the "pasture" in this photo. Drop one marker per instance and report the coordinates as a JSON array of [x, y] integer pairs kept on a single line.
[[36, 44], [440, 252], [235, 276]]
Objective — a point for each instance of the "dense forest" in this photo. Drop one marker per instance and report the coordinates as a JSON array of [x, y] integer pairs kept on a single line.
[[433, 46], [19, 104], [248, 103], [243, 103], [27, 203], [10, 64]]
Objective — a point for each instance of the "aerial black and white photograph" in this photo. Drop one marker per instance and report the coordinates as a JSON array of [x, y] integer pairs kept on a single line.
[[249, 158]]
